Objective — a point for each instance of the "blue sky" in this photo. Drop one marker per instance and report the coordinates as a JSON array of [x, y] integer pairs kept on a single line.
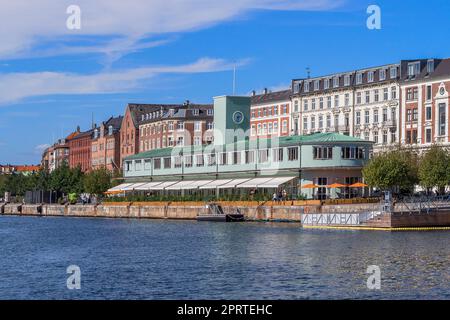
[[53, 79]]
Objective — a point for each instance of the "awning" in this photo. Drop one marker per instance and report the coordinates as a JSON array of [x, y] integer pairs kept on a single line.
[[215, 184], [179, 185], [195, 184], [164, 185], [120, 187], [132, 187], [254, 183], [276, 182], [232, 183], [148, 186]]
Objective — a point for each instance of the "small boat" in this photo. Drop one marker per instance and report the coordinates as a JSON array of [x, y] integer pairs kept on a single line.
[[216, 214]]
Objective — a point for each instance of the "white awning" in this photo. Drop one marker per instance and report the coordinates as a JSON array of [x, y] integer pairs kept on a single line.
[[163, 185], [232, 184], [254, 183], [215, 184], [195, 184], [120, 187], [179, 185], [148, 186], [276, 182], [132, 187]]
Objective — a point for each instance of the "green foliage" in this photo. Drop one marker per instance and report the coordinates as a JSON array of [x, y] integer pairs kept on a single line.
[[434, 170], [97, 181], [394, 170], [66, 180]]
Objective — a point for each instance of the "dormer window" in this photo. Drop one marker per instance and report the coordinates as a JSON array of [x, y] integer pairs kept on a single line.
[[326, 83], [347, 80], [306, 88], [393, 73], [316, 85], [359, 77], [143, 117], [210, 112], [336, 82], [110, 130], [171, 112], [413, 69], [430, 66], [370, 76], [382, 74], [196, 112]]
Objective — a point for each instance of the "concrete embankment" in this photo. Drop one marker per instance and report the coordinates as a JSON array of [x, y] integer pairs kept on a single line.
[[253, 211]]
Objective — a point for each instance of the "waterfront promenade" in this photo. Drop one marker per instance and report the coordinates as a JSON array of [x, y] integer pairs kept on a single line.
[[311, 213]]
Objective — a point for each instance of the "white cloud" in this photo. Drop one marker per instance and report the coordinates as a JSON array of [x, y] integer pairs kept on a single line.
[[17, 86], [27, 25], [40, 148]]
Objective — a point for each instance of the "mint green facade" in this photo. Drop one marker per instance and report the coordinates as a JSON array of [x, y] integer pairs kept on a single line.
[[229, 128]]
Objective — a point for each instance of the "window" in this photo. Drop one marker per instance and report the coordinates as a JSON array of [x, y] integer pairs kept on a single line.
[[305, 105], [313, 104], [367, 96], [210, 126], [352, 153], [275, 110], [359, 77], [180, 125], [211, 159], [346, 80], [393, 72], [170, 126], [328, 121], [413, 69], [197, 141], [428, 95], [313, 122], [428, 112], [306, 86], [292, 153], [326, 84], [249, 156], [370, 76], [210, 112], [180, 141], [167, 163], [375, 136], [382, 74], [376, 96], [277, 155], [322, 153], [393, 93], [188, 161], [385, 137], [199, 159], [409, 115], [236, 157], [415, 93], [385, 94], [197, 126], [320, 122], [305, 123], [415, 114], [336, 101], [347, 99], [178, 161], [358, 117], [442, 120], [385, 114], [223, 158], [157, 163], [428, 135], [366, 135], [296, 105], [366, 117], [263, 156], [358, 97], [269, 128], [336, 82], [393, 136], [321, 103], [316, 85], [284, 126], [264, 128], [329, 102], [411, 136], [196, 112], [375, 116], [275, 127], [430, 66]]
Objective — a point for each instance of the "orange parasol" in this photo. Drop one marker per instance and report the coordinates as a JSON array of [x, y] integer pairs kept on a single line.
[[336, 185], [310, 186], [358, 185]]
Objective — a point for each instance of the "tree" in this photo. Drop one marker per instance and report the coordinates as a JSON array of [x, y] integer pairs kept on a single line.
[[394, 170], [66, 180], [97, 181], [434, 168]]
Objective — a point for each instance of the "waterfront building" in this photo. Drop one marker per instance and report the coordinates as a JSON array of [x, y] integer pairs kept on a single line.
[[238, 164], [57, 154], [176, 125], [168, 122], [271, 115], [19, 169], [425, 102], [80, 150], [105, 145]]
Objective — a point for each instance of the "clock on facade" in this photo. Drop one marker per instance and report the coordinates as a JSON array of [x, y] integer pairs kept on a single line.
[[238, 117], [442, 91]]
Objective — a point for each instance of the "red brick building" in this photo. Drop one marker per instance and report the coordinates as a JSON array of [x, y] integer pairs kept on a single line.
[[80, 150], [105, 145]]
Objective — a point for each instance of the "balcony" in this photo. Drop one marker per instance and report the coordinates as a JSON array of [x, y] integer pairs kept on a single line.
[[390, 123]]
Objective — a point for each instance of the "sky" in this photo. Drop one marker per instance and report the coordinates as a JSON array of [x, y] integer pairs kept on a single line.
[[54, 78]]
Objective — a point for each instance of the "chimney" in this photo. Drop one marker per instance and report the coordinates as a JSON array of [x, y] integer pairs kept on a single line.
[[78, 129], [253, 93], [266, 90]]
